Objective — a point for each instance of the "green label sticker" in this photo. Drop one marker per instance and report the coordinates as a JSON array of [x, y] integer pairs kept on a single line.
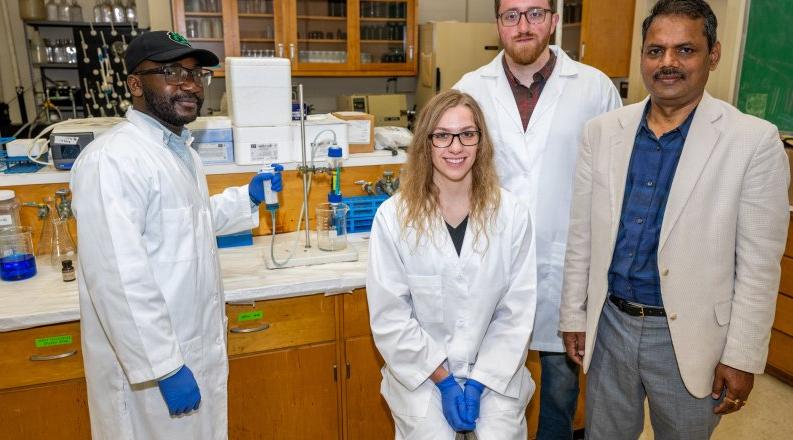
[[250, 316], [53, 340]]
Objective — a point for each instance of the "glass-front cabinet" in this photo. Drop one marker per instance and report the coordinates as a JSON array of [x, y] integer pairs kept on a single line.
[[201, 21], [320, 37]]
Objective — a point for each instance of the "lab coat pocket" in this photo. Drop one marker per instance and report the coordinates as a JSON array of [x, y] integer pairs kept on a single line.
[[425, 291], [723, 311], [177, 235], [493, 402], [401, 400]]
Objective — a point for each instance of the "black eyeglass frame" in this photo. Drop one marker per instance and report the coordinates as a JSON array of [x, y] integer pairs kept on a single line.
[[431, 137], [191, 73], [524, 14]]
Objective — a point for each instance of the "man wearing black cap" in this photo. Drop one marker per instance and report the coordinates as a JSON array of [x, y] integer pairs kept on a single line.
[[151, 294]]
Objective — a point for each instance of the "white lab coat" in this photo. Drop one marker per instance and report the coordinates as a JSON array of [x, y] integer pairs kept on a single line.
[[537, 165], [476, 311], [151, 294]]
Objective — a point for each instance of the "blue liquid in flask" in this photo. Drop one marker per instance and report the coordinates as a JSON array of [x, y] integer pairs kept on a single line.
[[17, 267]]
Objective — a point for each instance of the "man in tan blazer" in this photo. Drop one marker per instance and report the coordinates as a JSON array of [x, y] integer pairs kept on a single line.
[[677, 228]]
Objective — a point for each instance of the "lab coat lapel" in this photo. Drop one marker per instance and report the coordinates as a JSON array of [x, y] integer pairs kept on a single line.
[[700, 142], [619, 161], [549, 98], [503, 92]]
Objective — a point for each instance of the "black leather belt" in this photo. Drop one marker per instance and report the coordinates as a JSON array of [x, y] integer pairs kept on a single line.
[[634, 309]]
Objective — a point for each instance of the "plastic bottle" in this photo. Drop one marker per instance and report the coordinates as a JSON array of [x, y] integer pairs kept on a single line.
[[9, 208]]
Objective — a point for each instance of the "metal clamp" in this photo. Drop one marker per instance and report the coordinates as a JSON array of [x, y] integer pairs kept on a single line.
[[52, 357], [262, 327]]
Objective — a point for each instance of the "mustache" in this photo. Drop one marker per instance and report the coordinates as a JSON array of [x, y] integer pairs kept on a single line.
[[668, 72], [186, 96], [524, 35]]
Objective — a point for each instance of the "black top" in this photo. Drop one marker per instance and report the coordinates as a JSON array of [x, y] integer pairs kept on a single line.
[[458, 234]]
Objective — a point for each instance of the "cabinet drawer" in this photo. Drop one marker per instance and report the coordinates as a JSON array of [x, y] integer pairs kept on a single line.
[[40, 355], [356, 315], [280, 323], [783, 321], [780, 352], [786, 283]]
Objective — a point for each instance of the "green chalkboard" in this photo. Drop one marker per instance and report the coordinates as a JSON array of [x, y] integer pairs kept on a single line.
[[766, 84]]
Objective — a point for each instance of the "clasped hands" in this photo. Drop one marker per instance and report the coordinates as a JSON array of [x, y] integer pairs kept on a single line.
[[460, 404]]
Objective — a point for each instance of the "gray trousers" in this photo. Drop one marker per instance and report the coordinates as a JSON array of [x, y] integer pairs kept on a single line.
[[633, 358]]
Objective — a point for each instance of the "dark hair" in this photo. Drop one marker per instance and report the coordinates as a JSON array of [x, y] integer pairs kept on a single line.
[[550, 2], [694, 9]]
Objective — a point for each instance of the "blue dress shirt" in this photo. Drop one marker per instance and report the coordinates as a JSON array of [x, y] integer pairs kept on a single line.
[[633, 274], [176, 143]]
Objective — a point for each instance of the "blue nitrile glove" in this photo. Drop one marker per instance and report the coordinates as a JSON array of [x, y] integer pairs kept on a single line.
[[454, 404], [180, 392], [256, 185], [472, 395]]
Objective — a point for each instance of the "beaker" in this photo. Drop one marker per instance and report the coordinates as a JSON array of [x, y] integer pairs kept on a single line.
[[332, 226], [16, 253]]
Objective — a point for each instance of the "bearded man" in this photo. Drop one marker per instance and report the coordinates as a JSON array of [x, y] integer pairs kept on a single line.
[[536, 100]]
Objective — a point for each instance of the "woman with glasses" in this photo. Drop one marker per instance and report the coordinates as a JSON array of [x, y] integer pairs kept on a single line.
[[451, 285]]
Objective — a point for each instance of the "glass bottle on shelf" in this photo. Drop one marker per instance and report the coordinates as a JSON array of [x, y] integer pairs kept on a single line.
[[52, 10], [38, 51], [64, 9], [75, 12], [132, 11], [32, 10], [119, 12]]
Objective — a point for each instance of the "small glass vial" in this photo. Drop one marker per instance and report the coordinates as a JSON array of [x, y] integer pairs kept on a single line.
[[68, 271]]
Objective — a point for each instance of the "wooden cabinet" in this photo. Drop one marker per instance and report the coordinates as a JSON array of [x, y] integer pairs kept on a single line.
[[366, 413], [42, 392], [598, 33], [780, 350], [320, 37], [284, 394]]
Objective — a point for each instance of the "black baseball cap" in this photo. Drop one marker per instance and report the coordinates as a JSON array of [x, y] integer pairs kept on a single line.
[[164, 46]]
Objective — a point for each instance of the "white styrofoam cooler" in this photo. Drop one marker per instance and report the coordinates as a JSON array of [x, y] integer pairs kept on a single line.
[[259, 145], [320, 125], [259, 91], [213, 139]]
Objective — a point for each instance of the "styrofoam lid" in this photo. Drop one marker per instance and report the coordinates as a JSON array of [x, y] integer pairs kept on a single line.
[[6, 194], [257, 61]]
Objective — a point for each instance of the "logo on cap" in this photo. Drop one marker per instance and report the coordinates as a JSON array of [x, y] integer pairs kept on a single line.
[[178, 38]]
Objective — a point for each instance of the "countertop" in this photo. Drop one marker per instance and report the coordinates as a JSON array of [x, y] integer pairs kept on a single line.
[[49, 174], [46, 299]]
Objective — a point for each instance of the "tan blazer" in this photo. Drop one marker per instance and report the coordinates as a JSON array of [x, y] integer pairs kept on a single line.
[[721, 241]]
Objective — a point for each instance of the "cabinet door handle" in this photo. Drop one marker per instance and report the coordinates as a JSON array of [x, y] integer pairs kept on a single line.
[[280, 50], [260, 328], [52, 357], [349, 369], [292, 51], [335, 373], [583, 49], [410, 52]]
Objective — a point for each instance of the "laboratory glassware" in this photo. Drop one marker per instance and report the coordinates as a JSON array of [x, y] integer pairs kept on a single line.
[[75, 12], [119, 12], [32, 10], [52, 10], [9, 209], [64, 10], [16, 253], [132, 11], [332, 226]]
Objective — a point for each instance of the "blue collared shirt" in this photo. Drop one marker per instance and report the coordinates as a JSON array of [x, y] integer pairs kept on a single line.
[[176, 143], [633, 274]]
